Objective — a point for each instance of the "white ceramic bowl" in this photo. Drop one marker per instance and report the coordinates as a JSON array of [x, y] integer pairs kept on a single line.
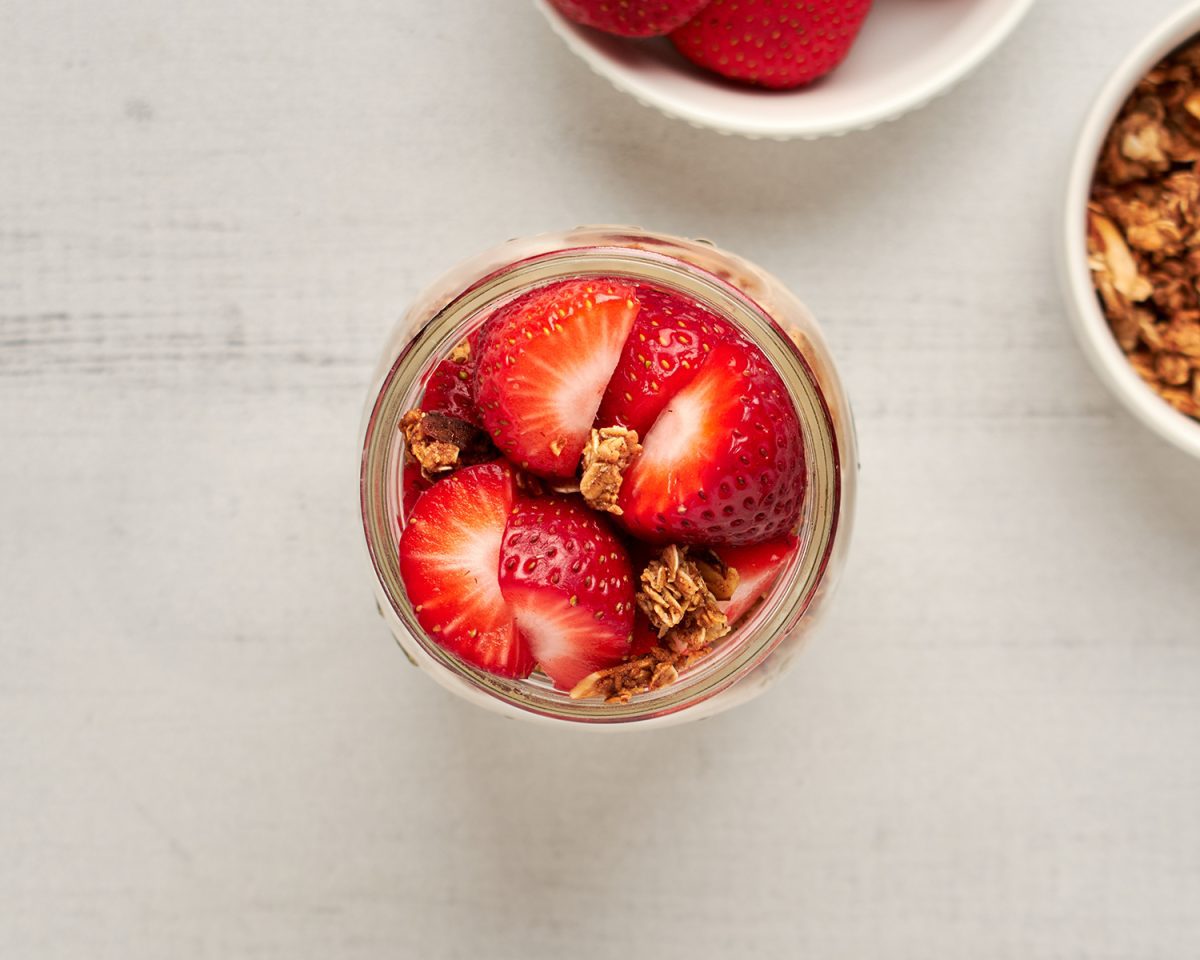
[[909, 51], [1085, 313]]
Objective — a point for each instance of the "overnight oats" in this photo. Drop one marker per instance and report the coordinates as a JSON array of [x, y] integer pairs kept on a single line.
[[607, 477]]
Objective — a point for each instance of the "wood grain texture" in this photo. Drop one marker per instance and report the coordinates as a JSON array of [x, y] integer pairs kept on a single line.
[[209, 747]]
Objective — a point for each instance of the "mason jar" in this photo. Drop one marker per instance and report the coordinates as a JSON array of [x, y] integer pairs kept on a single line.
[[766, 641]]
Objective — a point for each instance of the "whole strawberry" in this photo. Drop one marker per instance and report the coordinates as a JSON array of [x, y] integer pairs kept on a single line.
[[631, 18], [772, 43]]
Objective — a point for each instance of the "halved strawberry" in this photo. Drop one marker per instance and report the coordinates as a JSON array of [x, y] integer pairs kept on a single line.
[[759, 566], [449, 558], [449, 389], [671, 337], [724, 461], [645, 637], [640, 553], [544, 361], [567, 580]]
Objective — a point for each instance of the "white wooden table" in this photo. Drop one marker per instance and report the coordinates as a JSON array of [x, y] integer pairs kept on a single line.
[[209, 746]]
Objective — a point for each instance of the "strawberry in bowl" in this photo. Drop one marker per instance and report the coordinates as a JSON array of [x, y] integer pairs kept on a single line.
[[785, 69], [776, 44]]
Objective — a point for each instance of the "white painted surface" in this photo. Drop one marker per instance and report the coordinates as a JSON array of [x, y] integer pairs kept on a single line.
[[209, 746]]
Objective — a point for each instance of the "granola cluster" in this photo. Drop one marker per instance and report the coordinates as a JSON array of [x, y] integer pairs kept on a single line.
[[652, 670], [1144, 229], [608, 454], [441, 443], [678, 602], [720, 578]]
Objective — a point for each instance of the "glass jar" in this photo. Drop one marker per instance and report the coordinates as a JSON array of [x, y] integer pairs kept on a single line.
[[766, 640]]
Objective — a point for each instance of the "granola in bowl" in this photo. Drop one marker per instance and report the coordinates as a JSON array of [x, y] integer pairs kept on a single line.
[[1143, 237]]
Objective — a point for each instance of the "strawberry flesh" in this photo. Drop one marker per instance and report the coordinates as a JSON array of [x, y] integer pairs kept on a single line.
[[759, 566], [567, 579], [645, 637], [413, 483], [449, 558], [671, 337], [544, 362], [631, 18], [449, 388], [724, 461], [778, 44]]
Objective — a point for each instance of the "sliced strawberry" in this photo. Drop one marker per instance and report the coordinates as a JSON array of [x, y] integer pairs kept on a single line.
[[449, 558], [645, 637], [772, 43], [413, 483], [449, 388], [724, 461], [544, 361], [759, 566], [671, 337], [631, 18], [641, 553], [567, 579]]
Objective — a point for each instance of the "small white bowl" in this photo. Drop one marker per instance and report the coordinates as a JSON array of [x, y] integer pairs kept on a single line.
[[1087, 318], [909, 51]]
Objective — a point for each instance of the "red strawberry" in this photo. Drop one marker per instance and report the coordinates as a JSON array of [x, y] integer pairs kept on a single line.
[[645, 637], [772, 43], [671, 337], [449, 387], [631, 18], [567, 579], [758, 566], [449, 558], [640, 554], [412, 484], [724, 462], [544, 361]]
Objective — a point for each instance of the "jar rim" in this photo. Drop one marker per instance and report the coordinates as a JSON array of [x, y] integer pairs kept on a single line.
[[652, 259]]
